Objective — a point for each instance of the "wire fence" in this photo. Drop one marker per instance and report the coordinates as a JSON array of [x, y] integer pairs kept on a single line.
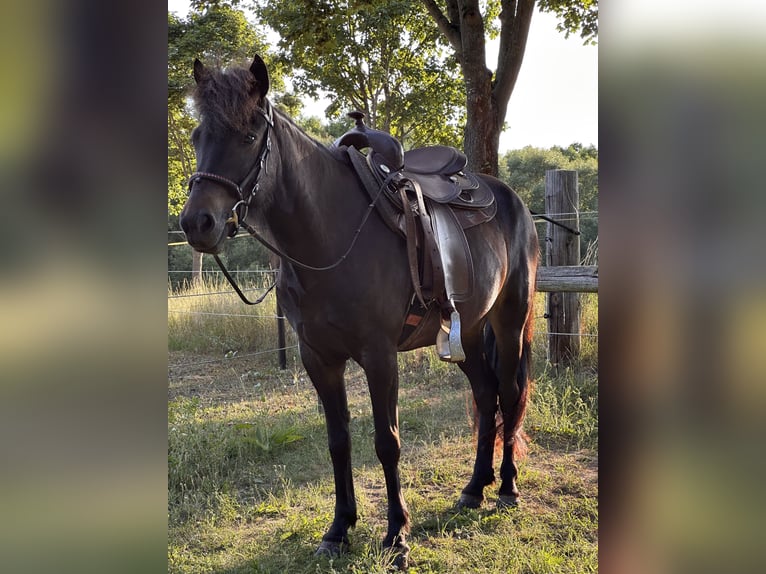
[[187, 295], [234, 357], [230, 271], [565, 216], [269, 316], [182, 312]]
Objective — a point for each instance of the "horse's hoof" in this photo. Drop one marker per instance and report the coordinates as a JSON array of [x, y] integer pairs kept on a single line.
[[331, 549], [402, 560], [469, 501], [507, 501], [401, 556]]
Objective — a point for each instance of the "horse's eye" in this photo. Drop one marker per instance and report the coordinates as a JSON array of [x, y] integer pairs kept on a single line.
[[249, 138]]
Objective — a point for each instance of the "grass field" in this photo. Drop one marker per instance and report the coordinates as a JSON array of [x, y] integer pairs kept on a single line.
[[250, 481]]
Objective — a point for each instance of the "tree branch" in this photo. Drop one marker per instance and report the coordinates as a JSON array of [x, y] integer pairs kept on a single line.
[[450, 28], [515, 19]]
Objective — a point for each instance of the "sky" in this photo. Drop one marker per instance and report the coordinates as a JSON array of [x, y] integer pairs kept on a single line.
[[555, 101]]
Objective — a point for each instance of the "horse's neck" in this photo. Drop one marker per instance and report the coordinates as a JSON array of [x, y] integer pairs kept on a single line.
[[314, 196]]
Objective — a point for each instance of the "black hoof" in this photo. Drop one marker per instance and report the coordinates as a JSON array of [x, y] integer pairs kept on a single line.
[[507, 501], [401, 556], [469, 501], [402, 560], [331, 549]]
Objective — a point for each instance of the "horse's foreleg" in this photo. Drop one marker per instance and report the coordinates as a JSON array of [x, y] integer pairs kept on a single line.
[[328, 381], [383, 380]]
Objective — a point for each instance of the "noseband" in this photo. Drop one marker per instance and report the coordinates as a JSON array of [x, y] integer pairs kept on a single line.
[[258, 168]]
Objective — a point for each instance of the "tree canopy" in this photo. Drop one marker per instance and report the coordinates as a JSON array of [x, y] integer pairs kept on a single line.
[[574, 16], [381, 57], [466, 25]]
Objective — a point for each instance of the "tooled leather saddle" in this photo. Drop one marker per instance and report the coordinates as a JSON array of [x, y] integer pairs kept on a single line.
[[429, 199]]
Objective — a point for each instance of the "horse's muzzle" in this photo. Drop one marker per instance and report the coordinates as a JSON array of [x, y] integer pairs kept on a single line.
[[204, 231]]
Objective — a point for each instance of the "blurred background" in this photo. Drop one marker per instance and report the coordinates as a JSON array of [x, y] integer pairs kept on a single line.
[[82, 292], [682, 368]]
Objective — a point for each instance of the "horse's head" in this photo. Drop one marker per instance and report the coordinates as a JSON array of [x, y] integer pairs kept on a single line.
[[231, 143]]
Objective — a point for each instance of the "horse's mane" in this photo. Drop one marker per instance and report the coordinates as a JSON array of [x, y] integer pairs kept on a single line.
[[225, 99]]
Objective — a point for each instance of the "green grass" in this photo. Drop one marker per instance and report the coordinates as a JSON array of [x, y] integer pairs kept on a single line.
[[250, 485]]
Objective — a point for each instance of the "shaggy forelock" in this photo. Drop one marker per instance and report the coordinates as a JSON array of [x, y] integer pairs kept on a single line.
[[227, 99]]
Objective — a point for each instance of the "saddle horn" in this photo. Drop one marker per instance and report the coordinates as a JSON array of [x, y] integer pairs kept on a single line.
[[382, 143]]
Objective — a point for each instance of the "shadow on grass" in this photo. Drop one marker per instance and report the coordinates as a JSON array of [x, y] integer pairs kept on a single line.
[[282, 489], [254, 458]]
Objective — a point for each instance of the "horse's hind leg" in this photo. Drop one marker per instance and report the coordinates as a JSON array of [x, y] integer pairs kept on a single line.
[[484, 385], [328, 381], [511, 363]]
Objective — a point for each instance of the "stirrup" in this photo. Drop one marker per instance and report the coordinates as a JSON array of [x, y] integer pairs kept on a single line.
[[448, 344]]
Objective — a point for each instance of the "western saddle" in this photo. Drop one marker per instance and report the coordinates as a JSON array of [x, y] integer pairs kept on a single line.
[[428, 185]]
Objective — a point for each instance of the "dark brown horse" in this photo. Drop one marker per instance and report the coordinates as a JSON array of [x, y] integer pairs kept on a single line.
[[255, 164]]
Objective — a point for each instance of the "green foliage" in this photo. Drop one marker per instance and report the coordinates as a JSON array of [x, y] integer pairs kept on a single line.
[[575, 16], [218, 36], [378, 56], [243, 253], [563, 409], [524, 170]]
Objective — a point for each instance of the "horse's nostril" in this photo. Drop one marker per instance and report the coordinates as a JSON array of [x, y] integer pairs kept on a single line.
[[201, 223], [205, 222]]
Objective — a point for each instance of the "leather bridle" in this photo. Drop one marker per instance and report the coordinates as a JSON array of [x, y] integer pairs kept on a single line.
[[258, 168], [238, 219]]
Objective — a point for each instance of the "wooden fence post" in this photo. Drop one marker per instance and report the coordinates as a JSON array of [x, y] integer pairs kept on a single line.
[[282, 352], [563, 248]]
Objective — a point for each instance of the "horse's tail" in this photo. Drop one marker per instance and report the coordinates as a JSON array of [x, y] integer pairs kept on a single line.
[[520, 438]]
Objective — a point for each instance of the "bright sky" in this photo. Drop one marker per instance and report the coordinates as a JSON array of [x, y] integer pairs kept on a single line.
[[555, 101]]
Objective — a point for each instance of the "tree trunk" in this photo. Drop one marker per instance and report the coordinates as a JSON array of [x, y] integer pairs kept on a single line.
[[481, 138], [196, 267], [486, 99]]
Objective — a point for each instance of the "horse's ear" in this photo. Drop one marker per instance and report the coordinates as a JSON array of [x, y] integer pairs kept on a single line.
[[199, 70], [258, 69]]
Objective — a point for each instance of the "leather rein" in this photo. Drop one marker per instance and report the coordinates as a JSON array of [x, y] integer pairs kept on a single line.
[[239, 219]]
